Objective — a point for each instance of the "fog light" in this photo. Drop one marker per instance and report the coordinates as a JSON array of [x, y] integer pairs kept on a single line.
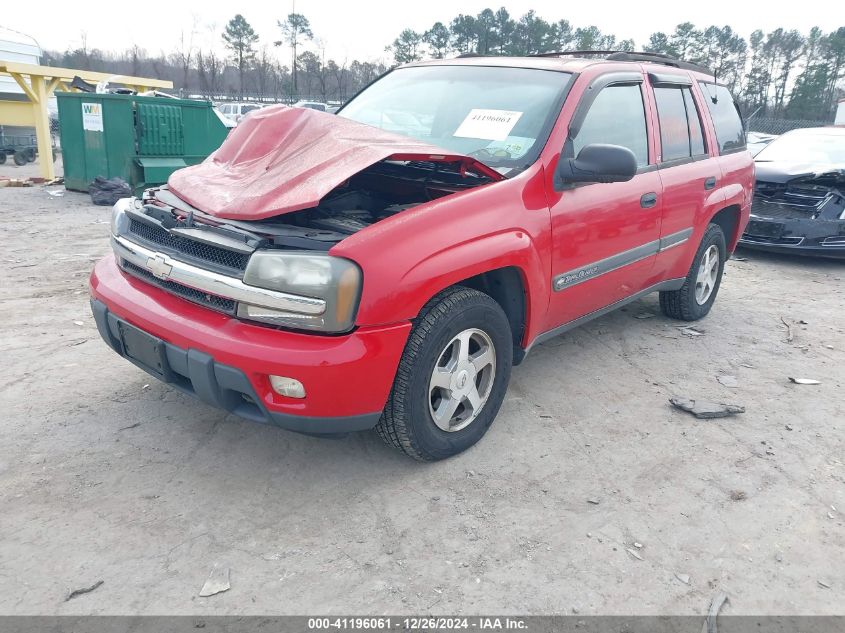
[[289, 387]]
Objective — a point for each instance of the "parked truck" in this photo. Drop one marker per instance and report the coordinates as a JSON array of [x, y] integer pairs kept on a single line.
[[386, 267]]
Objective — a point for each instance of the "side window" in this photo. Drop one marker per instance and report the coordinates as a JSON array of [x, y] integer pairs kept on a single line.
[[616, 117], [730, 132], [681, 135], [696, 132]]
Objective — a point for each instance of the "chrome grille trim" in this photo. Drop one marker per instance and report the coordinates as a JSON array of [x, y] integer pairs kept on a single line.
[[211, 282]]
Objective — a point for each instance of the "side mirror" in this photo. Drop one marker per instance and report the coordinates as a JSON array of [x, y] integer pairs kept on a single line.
[[598, 163]]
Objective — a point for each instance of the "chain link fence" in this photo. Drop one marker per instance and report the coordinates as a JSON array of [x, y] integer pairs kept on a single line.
[[769, 125]]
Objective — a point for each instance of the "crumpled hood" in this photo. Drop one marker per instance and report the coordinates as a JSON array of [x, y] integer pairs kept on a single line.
[[782, 171], [282, 159]]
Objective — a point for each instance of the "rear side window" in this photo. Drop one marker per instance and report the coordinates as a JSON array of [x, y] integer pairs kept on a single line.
[[616, 117], [680, 126], [729, 130], [696, 132]]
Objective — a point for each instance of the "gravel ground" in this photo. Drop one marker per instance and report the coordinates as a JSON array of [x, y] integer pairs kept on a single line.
[[589, 493]]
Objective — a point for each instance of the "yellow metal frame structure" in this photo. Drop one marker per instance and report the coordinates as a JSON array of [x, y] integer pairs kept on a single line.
[[38, 84]]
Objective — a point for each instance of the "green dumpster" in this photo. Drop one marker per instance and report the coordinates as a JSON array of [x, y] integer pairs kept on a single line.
[[140, 139]]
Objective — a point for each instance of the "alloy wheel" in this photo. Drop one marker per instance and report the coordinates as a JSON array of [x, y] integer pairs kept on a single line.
[[708, 273], [462, 380]]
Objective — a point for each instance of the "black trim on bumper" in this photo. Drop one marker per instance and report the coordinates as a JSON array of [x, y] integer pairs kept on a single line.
[[223, 386], [795, 236]]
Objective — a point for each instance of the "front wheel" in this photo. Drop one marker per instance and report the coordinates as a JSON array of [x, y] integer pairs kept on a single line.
[[695, 298], [452, 376]]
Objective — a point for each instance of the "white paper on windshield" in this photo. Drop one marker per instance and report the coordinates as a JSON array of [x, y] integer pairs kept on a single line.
[[492, 125]]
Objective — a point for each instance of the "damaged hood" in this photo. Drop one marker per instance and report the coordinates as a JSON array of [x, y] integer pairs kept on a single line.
[[782, 172], [282, 159]]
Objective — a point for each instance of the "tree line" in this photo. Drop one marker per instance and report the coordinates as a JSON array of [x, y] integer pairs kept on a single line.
[[782, 73], [249, 68]]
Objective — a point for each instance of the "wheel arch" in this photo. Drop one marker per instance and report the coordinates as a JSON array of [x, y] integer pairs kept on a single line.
[[506, 287], [727, 219]]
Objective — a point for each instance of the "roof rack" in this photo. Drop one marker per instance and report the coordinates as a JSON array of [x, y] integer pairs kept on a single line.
[[632, 56]]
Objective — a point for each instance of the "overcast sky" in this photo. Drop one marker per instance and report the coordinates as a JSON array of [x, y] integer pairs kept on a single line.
[[360, 29]]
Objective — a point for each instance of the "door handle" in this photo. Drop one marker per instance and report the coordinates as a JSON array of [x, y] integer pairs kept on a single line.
[[648, 200], [710, 183]]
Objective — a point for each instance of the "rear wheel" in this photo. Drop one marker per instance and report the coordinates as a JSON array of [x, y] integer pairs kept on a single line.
[[2, 157], [452, 376], [695, 298], [20, 159], [30, 155]]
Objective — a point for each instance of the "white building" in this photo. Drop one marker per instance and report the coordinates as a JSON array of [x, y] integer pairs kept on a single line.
[[16, 47], [840, 113]]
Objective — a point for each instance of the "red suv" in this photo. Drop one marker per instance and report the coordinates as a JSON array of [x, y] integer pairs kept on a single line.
[[385, 267]]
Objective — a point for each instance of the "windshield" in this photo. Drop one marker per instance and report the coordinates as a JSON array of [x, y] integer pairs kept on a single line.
[[501, 116], [805, 147]]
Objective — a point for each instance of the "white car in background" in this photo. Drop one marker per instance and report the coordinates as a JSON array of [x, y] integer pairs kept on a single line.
[[756, 141], [237, 111], [312, 105]]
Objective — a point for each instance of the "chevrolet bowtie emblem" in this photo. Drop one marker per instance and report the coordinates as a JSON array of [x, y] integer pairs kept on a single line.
[[160, 266]]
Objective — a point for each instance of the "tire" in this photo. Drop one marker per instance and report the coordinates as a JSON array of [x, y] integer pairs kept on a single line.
[[30, 155], [2, 157], [693, 301], [453, 318], [20, 159]]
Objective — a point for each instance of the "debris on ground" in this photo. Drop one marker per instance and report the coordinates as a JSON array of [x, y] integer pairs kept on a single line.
[[56, 193], [690, 331], [594, 501], [107, 191], [131, 426], [728, 381], [14, 182], [633, 553], [789, 336], [684, 578], [805, 381], [824, 584], [738, 495], [79, 592], [715, 606], [644, 315], [218, 582], [706, 410]]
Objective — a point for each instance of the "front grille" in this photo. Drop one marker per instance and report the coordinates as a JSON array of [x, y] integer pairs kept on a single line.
[[775, 209], [221, 304], [778, 241], [177, 244]]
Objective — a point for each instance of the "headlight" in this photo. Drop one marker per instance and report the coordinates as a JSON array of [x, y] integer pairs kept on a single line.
[[334, 280], [119, 219]]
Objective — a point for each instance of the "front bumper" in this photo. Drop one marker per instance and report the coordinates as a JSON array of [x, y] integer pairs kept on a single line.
[[815, 237], [227, 362]]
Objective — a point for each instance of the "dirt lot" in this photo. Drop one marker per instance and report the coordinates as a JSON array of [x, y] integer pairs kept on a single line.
[[105, 474]]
